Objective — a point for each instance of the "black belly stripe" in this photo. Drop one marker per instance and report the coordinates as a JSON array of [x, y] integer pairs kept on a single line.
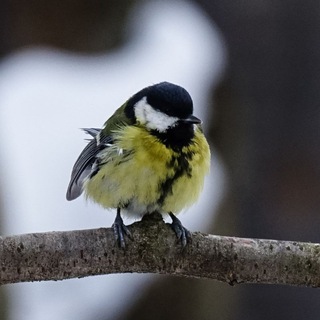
[[181, 163]]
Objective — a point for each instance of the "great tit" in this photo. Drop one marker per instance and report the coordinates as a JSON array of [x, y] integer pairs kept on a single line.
[[150, 156]]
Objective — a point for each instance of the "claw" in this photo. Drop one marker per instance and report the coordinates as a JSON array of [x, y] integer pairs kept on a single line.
[[120, 230], [182, 233]]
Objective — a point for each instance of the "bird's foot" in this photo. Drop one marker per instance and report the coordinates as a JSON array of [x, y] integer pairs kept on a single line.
[[120, 230], [182, 233]]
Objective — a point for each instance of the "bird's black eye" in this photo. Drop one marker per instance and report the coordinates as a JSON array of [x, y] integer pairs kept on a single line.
[[165, 110]]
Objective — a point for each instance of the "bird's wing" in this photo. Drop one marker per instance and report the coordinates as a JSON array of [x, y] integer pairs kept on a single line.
[[83, 166], [88, 161]]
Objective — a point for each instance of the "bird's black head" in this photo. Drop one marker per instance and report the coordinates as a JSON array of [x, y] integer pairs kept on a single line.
[[170, 99], [165, 109]]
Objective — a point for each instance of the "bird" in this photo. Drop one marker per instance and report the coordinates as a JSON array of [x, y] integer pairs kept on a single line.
[[150, 156]]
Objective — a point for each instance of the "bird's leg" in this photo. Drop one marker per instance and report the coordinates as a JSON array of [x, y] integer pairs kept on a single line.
[[120, 230], [181, 232]]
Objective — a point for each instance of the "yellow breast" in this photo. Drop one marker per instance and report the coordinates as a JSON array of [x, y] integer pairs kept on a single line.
[[143, 175]]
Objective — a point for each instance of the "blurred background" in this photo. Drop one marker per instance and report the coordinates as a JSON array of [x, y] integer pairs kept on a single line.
[[252, 68]]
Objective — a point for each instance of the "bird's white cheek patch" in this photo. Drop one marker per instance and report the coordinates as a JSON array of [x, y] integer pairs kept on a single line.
[[151, 118]]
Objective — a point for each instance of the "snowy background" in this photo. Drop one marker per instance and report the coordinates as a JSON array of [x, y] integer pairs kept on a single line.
[[46, 96]]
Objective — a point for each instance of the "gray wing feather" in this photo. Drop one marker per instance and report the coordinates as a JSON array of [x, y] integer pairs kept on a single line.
[[83, 166], [92, 131]]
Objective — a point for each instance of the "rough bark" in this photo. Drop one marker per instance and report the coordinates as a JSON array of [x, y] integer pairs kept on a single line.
[[71, 254]]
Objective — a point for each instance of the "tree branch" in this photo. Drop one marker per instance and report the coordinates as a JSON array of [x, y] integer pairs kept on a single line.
[[71, 254]]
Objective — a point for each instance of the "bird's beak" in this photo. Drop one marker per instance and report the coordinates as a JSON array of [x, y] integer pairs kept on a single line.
[[191, 119]]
